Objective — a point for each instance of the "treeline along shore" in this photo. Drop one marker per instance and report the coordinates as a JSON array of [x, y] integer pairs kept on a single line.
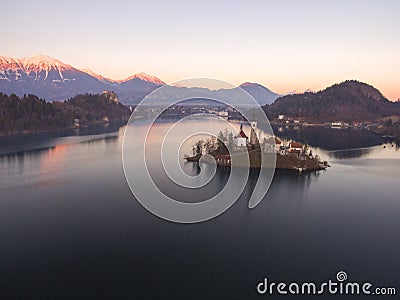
[[29, 114]]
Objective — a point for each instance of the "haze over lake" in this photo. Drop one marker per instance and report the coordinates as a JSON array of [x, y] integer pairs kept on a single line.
[[69, 222]]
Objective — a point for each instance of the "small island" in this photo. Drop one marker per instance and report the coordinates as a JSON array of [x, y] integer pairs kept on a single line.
[[288, 155]]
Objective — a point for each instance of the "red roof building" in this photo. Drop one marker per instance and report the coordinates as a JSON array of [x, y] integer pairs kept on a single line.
[[295, 146], [241, 133]]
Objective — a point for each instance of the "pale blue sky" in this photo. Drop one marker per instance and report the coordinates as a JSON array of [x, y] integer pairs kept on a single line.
[[285, 45]]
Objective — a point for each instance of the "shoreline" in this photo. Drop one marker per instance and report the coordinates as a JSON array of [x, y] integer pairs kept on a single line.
[[392, 132], [59, 130], [281, 163]]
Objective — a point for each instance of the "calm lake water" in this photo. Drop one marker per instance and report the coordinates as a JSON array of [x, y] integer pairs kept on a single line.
[[70, 227]]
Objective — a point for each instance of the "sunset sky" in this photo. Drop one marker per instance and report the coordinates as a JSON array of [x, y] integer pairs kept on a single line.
[[284, 45]]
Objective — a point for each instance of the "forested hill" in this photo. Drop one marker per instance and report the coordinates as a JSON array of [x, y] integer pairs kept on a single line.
[[348, 101], [31, 114]]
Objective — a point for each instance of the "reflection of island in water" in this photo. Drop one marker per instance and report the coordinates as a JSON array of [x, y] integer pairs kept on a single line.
[[291, 183], [285, 182]]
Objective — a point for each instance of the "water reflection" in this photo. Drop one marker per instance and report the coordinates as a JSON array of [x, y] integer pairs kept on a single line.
[[67, 208], [45, 164], [292, 184], [330, 138], [44, 140], [349, 153]]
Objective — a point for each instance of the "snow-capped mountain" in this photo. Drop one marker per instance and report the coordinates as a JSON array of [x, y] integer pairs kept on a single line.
[[144, 77], [45, 77], [51, 79], [37, 68], [97, 76]]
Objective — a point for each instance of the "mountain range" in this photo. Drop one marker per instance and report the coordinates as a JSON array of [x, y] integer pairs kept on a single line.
[[51, 79]]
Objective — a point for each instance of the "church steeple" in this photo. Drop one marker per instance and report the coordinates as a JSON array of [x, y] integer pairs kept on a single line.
[[241, 132], [241, 139], [253, 135]]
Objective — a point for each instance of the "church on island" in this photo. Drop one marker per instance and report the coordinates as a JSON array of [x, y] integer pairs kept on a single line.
[[290, 155], [241, 140], [269, 145]]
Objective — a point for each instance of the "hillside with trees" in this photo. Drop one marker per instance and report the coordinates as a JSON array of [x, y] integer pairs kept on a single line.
[[348, 101], [30, 114]]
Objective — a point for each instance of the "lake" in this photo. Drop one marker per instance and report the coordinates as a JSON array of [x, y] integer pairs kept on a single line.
[[71, 228]]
